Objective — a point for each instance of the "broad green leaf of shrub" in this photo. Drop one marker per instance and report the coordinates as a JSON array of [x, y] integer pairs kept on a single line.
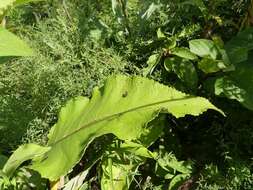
[[23, 153], [238, 85], [11, 45], [204, 48], [152, 62], [238, 47], [208, 65], [184, 69], [238, 54], [160, 34], [184, 53], [122, 107]]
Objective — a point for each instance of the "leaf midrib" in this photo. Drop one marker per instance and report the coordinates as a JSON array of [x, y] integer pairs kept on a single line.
[[119, 114]]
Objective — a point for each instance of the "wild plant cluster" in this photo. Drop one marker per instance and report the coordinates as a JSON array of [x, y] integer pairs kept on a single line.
[[127, 94]]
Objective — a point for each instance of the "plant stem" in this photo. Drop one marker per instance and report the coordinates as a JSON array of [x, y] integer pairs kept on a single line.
[[125, 14], [3, 21]]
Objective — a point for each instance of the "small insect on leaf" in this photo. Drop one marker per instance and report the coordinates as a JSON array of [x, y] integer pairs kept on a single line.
[[125, 94]]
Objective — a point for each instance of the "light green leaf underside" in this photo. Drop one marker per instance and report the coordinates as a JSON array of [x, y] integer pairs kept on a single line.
[[23, 153], [11, 45], [122, 107], [77, 182]]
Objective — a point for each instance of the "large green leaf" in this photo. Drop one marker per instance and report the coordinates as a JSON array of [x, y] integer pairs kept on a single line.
[[23, 153], [238, 85], [152, 62], [208, 65], [203, 48], [184, 69], [184, 53], [238, 47], [11, 45], [122, 107]]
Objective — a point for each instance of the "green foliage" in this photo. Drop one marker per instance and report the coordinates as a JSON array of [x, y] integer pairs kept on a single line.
[[23, 179], [176, 171], [120, 163], [7, 4], [21, 155], [77, 182], [183, 53], [3, 160], [34, 89], [203, 48], [199, 47], [239, 46], [99, 116], [119, 168], [237, 85], [184, 69]]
